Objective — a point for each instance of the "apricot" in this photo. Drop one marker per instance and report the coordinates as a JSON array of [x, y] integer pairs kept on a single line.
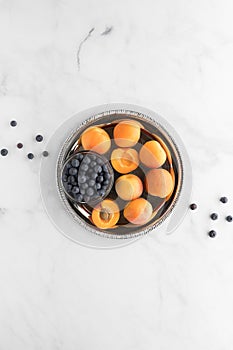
[[152, 154], [96, 139], [106, 214], [138, 211], [159, 182], [127, 133], [124, 160], [129, 187]]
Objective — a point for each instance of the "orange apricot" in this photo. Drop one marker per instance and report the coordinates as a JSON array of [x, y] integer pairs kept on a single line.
[[96, 139], [106, 214], [124, 160], [152, 154], [138, 211], [159, 182], [127, 133], [128, 187]]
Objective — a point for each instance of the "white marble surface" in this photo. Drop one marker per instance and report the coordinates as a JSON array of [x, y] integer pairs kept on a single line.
[[162, 292]]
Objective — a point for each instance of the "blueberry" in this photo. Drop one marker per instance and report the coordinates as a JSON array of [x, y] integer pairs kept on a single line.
[[39, 138], [82, 191], [86, 198], [64, 178], [75, 190], [104, 188], [106, 182], [82, 179], [93, 156], [101, 193], [81, 173], [223, 199], [193, 206], [94, 176], [13, 123], [19, 145], [99, 179], [212, 233], [97, 169], [68, 166], [45, 153], [4, 152], [84, 167], [93, 164], [75, 163], [98, 186], [214, 216], [84, 186], [107, 176], [105, 168], [71, 179], [99, 161], [229, 218], [80, 156], [86, 160], [30, 155], [90, 191], [91, 183], [79, 197], [73, 171], [68, 187]]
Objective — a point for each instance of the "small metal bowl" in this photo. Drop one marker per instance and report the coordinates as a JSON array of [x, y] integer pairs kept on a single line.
[[92, 202]]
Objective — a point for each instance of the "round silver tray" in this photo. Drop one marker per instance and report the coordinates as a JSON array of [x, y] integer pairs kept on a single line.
[[58, 206]]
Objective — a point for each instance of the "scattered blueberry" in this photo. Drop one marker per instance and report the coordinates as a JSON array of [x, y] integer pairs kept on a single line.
[[30, 155], [193, 206], [223, 199], [45, 153], [82, 191], [212, 233], [4, 152], [214, 216], [19, 145], [39, 138], [229, 218], [13, 123]]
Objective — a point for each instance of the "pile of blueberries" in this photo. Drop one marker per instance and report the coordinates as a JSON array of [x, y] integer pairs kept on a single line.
[[86, 177]]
